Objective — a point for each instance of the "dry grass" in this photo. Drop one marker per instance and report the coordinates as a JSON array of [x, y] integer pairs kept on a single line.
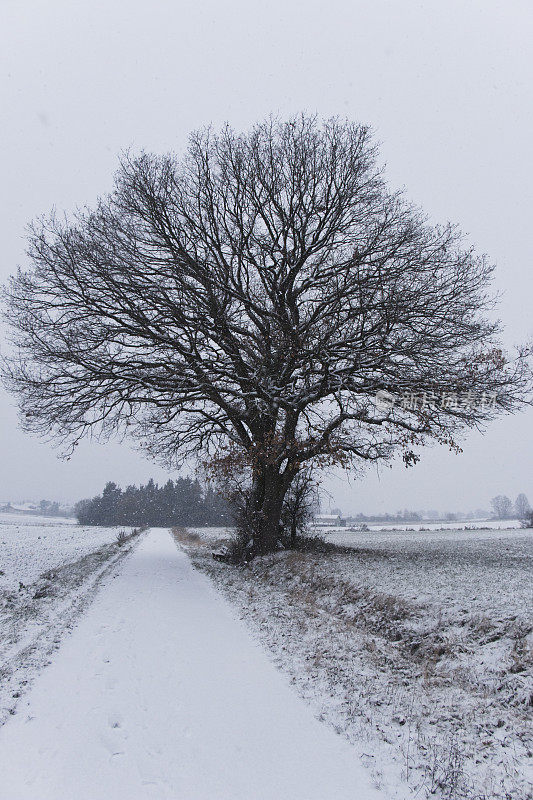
[[192, 539], [183, 536]]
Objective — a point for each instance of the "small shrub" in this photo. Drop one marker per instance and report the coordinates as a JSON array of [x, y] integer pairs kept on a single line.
[[240, 549], [527, 522], [122, 538]]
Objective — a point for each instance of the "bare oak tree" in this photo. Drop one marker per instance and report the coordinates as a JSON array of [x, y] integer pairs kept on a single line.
[[246, 304]]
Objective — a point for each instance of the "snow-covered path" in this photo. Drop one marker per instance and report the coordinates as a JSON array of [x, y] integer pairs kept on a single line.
[[160, 693]]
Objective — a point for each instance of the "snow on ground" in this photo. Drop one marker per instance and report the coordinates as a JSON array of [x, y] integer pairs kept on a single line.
[[49, 569], [160, 692], [483, 572], [417, 643], [30, 545]]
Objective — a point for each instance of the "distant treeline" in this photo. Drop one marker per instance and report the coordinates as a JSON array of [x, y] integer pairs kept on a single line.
[[181, 502], [401, 516], [418, 516]]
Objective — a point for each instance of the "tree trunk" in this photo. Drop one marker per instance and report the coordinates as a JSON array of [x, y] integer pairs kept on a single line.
[[268, 493]]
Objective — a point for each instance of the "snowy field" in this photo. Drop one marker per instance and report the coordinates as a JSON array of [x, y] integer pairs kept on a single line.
[[49, 568], [461, 572], [31, 545], [418, 644]]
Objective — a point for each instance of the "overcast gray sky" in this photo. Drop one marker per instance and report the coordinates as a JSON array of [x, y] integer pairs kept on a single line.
[[445, 85]]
